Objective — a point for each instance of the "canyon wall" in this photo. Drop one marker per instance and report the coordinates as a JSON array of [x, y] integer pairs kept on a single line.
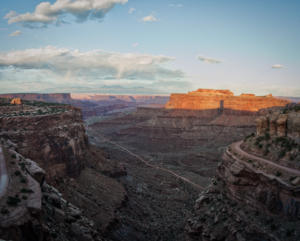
[[203, 99], [57, 141], [255, 194]]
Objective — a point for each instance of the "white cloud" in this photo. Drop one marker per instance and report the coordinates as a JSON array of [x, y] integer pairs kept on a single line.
[[277, 66], [149, 18], [135, 45], [16, 33], [178, 5], [131, 10], [97, 64], [209, 60], [46, 13]]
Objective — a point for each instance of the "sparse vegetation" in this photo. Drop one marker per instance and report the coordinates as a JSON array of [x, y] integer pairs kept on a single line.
[[13, 201], [4, 211], [25, 190], [17, 173]]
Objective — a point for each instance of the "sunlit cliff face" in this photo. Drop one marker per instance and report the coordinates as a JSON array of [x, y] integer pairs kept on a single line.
[[203, 99]]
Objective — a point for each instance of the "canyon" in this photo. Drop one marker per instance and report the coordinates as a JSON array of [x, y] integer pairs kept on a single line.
[[255, 194], [135, 174]]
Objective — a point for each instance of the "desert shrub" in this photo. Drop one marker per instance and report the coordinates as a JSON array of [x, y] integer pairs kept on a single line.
[[289, 232], [23, 180], [13, 201], [17, 173], [267, 136], [249, 136], [13, 156], [266, 151], [4, 211], [278, 173], [281, 153], [25, 190]]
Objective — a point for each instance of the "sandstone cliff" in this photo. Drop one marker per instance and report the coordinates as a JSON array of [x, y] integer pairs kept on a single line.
[[32, 210], [54, 137], [204, 99], [255, 196]]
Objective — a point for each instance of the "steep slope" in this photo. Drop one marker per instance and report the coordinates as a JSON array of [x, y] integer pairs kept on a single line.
[[54, 136], [254, 196]]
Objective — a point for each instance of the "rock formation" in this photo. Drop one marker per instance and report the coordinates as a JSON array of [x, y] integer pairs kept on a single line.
[[34, 210], [204, 99], [52, 136], [16, 101], [284, 123], [255, 195]]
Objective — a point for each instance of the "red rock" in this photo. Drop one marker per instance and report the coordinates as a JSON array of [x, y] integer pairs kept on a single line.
[[16, 101], [204, 99]]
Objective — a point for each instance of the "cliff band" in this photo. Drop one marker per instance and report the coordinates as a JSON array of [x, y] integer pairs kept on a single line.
[[203, 99]]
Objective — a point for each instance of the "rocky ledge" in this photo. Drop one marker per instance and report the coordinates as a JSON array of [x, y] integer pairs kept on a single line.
[[33, 210], [52, 135], [255, 196]]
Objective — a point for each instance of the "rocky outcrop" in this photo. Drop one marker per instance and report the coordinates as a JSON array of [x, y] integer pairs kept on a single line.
[[281, 123], [204, 99], [16, 101], [57, 141], [256, 194], [245, 203], [36, 211]]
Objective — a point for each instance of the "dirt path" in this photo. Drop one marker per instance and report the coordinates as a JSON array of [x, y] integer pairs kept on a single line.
[[237, 148], [3, 174], [151, 165]]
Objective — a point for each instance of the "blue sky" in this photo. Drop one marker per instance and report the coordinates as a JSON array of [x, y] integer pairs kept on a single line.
[[245, 46]]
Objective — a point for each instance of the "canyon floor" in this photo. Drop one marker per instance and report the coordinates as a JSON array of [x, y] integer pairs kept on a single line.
[[169, 161]]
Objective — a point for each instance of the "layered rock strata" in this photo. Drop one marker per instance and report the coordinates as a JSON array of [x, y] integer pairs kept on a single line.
[[204, 99], [56, 140], [281, 123], [32, 210]]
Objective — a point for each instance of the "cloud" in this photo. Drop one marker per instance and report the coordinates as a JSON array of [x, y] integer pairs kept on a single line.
[[149, 18], [135, 45], [46, 13], [131, 10], [209, 60], [178, 5], [97, 64], [16, 33], [277, 66]]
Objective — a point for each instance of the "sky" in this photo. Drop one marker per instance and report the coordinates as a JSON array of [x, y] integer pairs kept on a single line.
[[150, 47]]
